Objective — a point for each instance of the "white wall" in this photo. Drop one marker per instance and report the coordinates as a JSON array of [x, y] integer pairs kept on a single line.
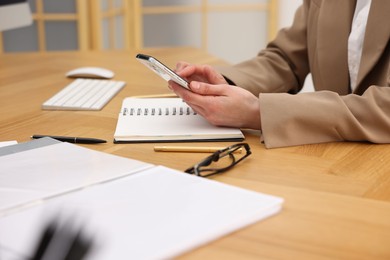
[[286, 15], [286, 11]]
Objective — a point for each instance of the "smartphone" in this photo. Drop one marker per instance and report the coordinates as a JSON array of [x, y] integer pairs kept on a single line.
[[162, 70]]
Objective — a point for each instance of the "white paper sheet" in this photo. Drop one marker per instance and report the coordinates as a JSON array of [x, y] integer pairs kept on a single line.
[[155, 214], [56, 169], [7, 143]]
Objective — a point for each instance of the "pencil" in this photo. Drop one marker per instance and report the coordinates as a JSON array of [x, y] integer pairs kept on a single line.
[[190, 149], [168, 95]]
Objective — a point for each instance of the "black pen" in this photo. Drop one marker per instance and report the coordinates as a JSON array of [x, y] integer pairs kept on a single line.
[[76, 140]]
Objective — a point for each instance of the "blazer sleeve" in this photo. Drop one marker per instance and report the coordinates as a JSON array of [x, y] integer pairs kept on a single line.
[[305, 118], [325, 116]]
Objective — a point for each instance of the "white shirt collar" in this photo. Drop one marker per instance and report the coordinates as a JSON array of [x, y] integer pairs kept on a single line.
[[356, 39]]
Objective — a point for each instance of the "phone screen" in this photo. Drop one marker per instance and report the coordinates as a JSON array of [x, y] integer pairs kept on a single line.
[[162, 70]]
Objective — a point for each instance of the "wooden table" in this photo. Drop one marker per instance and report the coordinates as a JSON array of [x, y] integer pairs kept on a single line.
[[337, 195]]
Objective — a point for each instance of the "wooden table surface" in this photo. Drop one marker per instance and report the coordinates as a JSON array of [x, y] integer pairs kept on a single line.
[[337, 195]]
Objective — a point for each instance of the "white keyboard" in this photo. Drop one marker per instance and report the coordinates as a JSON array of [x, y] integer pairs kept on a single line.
[[84, 94]]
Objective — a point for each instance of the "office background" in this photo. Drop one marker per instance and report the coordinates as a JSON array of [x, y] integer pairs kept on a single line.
[[231, 29]]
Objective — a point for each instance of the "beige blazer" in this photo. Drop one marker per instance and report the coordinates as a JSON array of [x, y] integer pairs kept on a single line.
[[317, 43]]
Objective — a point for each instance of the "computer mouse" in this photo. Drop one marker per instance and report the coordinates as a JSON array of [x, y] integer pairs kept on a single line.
[[90, 72]]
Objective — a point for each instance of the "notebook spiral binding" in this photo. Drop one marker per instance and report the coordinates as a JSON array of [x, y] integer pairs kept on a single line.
[[173, 111]]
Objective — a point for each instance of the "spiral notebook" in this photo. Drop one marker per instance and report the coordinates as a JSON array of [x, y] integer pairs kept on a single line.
[[167, 120]]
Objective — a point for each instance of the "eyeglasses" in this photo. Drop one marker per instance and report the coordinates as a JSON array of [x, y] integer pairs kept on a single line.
[[220, 161]]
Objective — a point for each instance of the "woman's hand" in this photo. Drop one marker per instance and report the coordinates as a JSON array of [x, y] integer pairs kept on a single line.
[[215, 100]]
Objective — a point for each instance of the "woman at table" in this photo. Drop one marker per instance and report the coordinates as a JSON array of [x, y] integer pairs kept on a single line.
[[343, 44]]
